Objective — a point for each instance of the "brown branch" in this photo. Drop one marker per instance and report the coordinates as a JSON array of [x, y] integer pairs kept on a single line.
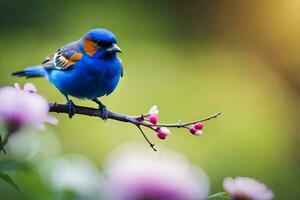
[[136, 120]]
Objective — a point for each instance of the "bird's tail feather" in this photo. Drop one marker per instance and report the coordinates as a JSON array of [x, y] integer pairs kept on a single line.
[[30, 72]]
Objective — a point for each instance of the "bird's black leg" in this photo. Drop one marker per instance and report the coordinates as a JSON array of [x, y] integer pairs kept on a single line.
[[102, 108], [71, 107]]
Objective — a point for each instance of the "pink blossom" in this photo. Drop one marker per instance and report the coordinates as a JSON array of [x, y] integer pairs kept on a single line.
[[246, 188], [23, 107], [195, 131], [133, 173], [162, 132]]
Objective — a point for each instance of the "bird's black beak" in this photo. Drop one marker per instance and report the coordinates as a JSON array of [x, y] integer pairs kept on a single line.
[[113, 49]]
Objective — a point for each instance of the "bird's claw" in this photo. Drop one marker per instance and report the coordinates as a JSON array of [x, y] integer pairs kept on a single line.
[[102, 108], [72, 108], [103, 112]]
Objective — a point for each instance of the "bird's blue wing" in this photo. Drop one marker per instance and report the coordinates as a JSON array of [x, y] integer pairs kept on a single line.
[[65, 57]]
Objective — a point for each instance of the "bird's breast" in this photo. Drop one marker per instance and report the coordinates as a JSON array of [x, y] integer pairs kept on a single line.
[[89, 78]]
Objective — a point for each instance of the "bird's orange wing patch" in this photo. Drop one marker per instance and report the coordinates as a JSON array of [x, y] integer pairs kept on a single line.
[[62, 62], [65, 63], [75, 57], [89, 47]]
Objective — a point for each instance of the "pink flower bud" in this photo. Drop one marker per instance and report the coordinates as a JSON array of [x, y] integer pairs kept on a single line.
[[162, 132], [161, 136], [153, 118], [195, 131], [199, 126]]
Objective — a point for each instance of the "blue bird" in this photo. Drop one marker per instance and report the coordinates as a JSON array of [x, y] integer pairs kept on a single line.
[[86, 69]]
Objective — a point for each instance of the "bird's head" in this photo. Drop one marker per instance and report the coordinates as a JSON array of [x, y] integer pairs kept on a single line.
[[100, 43]]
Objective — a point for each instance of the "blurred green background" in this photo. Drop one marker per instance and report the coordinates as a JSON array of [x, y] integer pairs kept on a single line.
[[192, 59]]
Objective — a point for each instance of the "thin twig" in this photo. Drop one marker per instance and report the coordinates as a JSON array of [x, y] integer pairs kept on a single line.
[[184, 125], [146, 138]]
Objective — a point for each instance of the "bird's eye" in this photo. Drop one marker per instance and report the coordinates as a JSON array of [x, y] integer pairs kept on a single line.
[[98, 42], [102, 44]]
